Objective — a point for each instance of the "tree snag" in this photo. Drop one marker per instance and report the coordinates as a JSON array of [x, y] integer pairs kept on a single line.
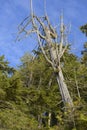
[[46, 34]]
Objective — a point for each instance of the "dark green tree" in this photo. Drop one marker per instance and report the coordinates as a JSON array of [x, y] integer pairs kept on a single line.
[[84, 29]]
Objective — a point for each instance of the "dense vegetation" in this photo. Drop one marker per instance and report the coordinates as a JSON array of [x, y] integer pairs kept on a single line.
[[30, 97]]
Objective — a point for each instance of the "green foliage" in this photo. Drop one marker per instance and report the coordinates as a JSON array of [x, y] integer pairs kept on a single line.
[[84, 55], [16, 120], [4, 67], [29, 94], [84, 29]]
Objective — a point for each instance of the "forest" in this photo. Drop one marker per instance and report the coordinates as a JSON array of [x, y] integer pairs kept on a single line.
[[48, 90]]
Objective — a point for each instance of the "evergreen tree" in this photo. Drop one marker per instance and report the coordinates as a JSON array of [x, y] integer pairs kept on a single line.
[[84, 29]]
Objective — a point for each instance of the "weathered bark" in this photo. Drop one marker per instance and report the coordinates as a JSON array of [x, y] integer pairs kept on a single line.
[[30, 79], [67, 100], [49, 119], [76, 82], [39, 121]]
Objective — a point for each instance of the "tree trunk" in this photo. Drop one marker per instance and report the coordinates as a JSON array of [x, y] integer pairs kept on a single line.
[[67, 100], [49, 119], [39, 121]]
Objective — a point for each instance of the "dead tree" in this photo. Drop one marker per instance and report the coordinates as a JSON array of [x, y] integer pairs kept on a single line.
[[46, 34]]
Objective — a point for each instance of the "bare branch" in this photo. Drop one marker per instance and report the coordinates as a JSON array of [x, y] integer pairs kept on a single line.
[[41, 36], [40, 22], [61, 33], [45, 7], [52, 30], [76, 82], [24, 20], [43, 51], [63, 51]]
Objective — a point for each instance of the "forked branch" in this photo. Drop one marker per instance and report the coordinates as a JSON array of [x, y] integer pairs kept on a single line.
[[42, 27]]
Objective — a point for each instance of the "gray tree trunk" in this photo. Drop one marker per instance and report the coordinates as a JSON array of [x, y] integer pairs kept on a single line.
[[40, 121], [67, 100], [49, 119]]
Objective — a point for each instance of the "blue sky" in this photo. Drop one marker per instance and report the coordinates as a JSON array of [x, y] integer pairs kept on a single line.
[[12, 12]]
